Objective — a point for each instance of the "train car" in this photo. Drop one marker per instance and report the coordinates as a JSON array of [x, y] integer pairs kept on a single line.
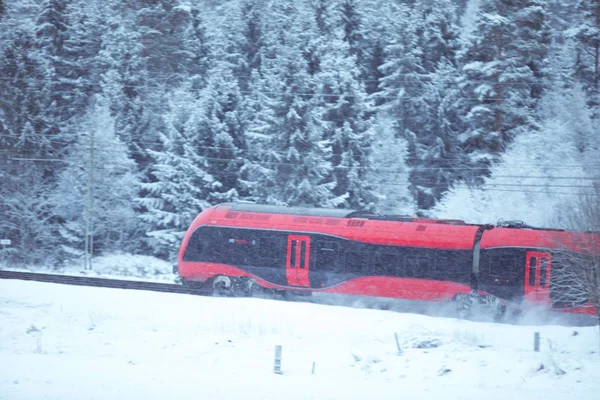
[[247, 248]]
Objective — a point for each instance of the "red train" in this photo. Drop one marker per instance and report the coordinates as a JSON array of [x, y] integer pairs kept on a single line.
[[239, 247]]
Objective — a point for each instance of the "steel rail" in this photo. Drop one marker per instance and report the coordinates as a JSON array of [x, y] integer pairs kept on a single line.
[[567, 319], [102, 282]]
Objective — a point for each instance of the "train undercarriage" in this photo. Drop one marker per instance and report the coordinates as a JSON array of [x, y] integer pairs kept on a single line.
[[462, 305]]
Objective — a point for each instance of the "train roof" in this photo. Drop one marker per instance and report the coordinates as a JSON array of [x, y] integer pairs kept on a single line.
[[370, 227], [334, 213], [272, 209], [352, 213]]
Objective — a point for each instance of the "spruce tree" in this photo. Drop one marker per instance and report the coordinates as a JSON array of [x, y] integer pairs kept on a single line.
[[198, 53], [181, 182], [95, 192], [161, 26], [290, 163], [355, 35], [503, 77], [587, 63], [251, 41], [390, 174], [27, 154], [224, 133], [342, 106], [199, 163], [435, 155], [126, 83], [53, 41]]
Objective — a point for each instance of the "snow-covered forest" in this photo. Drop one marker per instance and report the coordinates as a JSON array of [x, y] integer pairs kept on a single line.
[[124, 119]]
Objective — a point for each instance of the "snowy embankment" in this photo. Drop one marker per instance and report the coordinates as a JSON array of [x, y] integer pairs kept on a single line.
[[115, 266], [78, 342]]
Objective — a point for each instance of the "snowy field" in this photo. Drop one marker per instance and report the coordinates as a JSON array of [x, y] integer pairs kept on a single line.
[[67, 342]]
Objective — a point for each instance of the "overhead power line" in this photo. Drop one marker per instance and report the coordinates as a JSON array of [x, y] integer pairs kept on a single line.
[[249, 153], [488, 187], [375, 169]]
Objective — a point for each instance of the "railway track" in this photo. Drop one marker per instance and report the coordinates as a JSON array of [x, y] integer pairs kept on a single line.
[[567, 320], [102, 282], [181, 289], [134, 285]]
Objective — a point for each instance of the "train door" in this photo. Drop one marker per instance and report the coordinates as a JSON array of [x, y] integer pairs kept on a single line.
[[537, 277], [297, 260]]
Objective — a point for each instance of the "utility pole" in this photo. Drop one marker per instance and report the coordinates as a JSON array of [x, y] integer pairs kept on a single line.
[[89, 228]]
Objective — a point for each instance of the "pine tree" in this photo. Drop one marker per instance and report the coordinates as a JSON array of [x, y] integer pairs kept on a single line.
[[181, 183], [352, 28], [436, 158], [324, 20], [51, 34], [197, 49], [24, 173], [342, 106], [401, 97], [535, 164], [97, 189], [390, 173], [200, 162], [251, 41], [135, 102], [26, 209], [84, 45], [503, 76], [20, 101], [291, 158], [55, 43], [561, 18], [224, 133], [161, 26], [22, 104], [418, 92], [355, 36], [587, 63], [148, 63], [325, 16]]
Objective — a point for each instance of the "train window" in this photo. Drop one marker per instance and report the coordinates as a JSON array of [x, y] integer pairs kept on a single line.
[[416, 266], [195, 247], [357, 261], [532, 265], [543, 269], [387, 264], [503, 266], [302, 254], [446, 262], [327, 255], [293, 254], [233, 246], [269, 248], [198, 245]]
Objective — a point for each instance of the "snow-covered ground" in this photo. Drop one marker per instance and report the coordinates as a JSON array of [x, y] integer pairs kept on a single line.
[[68, 342], [115, 266]]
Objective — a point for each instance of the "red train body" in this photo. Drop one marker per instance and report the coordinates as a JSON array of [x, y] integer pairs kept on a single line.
[[238, 246]]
